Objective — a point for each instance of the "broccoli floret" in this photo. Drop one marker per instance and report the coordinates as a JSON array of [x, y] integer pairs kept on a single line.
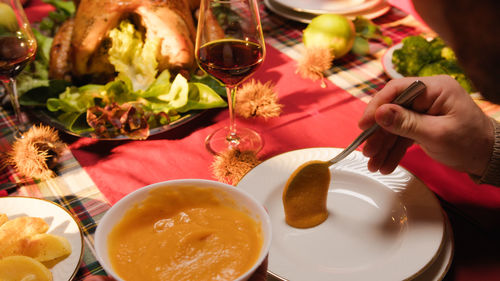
[[436, 46], [434, 68], [426, 58], [412, 56], [448, 54], [451, 66]]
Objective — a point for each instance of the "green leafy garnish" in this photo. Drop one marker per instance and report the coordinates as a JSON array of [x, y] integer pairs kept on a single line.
[[64, 10], [133, 57], [366, 30]]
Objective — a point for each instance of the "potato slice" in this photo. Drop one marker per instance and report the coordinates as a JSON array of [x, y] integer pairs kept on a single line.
[[45, 247], [22, 268], [14, 234]]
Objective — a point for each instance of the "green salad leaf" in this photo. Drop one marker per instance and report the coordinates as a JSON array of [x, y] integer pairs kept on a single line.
[[133, 57], [366, 30], [63, 10]]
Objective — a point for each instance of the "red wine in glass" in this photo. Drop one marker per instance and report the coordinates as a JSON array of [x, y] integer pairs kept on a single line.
[[230, 60], [15, 54], [230, 47], [17, 47]]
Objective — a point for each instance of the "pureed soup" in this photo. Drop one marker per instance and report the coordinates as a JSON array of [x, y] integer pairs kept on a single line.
[[185, 233]]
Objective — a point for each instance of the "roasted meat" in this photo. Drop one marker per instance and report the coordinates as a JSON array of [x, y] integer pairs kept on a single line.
[[60, 53], [170, 21]]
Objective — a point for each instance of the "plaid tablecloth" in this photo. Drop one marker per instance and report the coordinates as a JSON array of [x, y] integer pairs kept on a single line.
[[75, 190]]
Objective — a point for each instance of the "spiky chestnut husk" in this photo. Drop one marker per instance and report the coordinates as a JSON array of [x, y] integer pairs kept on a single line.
[[255, 99], [36, 152], [231, 165], [314, 62]]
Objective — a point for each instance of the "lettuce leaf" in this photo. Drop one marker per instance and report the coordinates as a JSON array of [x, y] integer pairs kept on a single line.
[[76, 99], [132, 57], [201, 97]]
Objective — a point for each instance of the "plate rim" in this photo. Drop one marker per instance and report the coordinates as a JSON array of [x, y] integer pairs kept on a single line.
[[414, 275], [447, 252], [303, 17], [80, 229], [387, 61], [356, 9], [45, 118]]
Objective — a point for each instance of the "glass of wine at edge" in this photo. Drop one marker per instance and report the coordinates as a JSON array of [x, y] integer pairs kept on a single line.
[[230, 47], [17, 48]]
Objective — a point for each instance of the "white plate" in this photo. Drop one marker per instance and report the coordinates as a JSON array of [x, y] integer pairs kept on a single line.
[[439, 268], [60, 221], [387, 62], [380, 227], [376, 11], [328, 6]]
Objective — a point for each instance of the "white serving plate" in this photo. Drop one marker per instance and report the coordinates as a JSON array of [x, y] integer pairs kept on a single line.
[[380, 227], [61, 223]]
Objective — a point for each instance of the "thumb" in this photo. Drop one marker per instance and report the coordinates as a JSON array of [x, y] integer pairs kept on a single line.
[[400, 121]]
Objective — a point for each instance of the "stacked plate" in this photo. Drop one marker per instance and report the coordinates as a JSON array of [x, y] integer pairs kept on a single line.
[[380, 227], [305, 11]]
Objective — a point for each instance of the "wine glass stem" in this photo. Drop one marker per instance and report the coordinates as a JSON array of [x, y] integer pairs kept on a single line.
[[10, 87], [232, 137]]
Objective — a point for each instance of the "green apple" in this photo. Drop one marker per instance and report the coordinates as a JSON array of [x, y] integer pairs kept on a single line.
[[331, 31]]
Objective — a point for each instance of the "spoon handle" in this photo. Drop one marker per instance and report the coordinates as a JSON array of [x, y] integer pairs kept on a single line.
[[404, 99]]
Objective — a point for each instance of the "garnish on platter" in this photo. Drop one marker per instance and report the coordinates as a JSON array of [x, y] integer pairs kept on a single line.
[[118, 69]]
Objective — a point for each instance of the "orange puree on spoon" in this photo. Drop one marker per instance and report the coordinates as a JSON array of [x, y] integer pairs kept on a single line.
[[305, 194], [184, 234]]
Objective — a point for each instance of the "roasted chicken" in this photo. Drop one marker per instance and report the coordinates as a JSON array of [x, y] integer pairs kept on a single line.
[[79, 49]]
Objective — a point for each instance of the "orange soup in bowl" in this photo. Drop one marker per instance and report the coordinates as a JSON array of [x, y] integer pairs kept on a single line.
[[184, 233]]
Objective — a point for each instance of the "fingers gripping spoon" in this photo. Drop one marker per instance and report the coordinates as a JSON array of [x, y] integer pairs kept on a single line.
[[305, 193]]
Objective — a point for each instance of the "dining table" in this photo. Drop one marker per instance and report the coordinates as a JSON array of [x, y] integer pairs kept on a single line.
[[93, 174]]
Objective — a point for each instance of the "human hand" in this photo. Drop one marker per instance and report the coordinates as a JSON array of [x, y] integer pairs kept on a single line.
[[444, 121]]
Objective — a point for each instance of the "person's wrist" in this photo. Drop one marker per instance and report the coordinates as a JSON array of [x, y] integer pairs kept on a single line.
[[491, 173]]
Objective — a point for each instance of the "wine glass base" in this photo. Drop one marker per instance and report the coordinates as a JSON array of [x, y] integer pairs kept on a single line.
[[244, 140]]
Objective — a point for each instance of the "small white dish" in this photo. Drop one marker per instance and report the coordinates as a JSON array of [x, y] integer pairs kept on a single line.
[[61, 223], [380, 227], [241, 198], [387, 62]]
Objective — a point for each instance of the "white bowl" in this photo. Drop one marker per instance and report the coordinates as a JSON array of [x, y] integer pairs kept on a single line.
[[241, 198]]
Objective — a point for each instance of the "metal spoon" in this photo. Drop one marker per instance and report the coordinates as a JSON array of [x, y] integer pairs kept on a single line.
[[305, 193]]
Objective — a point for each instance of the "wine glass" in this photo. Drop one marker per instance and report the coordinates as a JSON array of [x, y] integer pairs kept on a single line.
[[17, 49], [230, 47]]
